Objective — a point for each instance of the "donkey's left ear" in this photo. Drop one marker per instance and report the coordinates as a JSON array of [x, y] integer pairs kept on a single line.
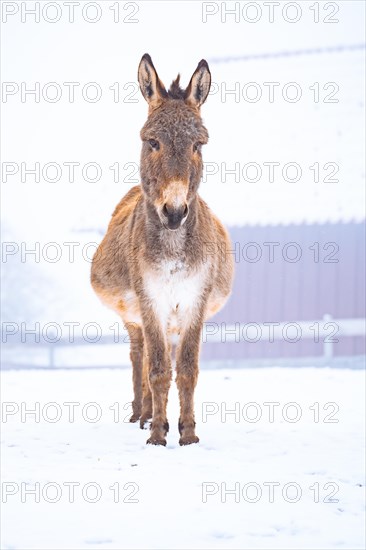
[[199, 86]]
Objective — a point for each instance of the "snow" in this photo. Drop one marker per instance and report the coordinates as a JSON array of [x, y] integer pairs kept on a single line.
[[170, 512], [169, 483]]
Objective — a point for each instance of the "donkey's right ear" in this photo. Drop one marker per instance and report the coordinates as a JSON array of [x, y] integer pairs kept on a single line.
[[151, 86]]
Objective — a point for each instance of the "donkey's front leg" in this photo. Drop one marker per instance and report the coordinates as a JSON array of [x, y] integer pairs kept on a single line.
[[160, 375], [187, 374]]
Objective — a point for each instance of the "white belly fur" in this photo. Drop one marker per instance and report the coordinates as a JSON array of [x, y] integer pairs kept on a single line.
[[174, 293]]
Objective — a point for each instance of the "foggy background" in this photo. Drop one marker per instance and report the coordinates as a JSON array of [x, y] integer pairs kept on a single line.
[[283, 92]]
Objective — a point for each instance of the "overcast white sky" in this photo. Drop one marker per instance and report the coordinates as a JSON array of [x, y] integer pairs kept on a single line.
[[176, 37]]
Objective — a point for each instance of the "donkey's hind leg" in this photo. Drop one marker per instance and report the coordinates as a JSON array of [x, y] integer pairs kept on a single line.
[[136, 355], [146, 413]]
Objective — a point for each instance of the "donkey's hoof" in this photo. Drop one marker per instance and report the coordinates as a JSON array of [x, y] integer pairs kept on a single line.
[[145, 424], [135, 417], [188, 440], [156, 441]]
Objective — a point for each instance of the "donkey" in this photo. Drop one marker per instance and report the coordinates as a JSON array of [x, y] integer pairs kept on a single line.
[[164, 265]]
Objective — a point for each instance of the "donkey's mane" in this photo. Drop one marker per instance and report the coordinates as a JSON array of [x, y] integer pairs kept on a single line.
[[175, 91]]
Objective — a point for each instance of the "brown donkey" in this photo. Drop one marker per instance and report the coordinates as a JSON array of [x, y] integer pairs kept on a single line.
[[164, 265]]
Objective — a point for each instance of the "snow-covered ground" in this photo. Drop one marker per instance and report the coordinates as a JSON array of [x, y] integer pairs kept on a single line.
[[174, 497]]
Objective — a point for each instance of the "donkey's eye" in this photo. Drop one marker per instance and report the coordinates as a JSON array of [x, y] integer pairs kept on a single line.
[[197, 147], [154, 144]]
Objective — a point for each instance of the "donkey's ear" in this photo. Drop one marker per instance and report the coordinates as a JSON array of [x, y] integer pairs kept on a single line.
[[199, 86], [151, 86]]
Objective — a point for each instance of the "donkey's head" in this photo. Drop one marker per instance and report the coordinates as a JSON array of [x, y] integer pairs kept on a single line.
[[171, 161]]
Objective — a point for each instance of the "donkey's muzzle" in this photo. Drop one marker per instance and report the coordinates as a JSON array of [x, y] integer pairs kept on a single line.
[[175, 215]]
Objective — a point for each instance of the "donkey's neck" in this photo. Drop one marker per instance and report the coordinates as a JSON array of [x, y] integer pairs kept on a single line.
[[170, 244]]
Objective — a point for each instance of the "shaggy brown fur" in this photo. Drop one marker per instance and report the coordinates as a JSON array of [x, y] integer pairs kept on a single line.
[[164, 265]]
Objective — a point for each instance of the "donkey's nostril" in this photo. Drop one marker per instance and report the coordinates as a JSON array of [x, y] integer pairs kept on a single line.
[[185, 211], [165, 210]]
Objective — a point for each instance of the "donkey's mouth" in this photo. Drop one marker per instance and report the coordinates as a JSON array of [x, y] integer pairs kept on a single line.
[[170, 227]]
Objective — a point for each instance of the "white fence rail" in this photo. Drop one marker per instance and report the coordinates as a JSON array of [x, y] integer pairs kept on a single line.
[[327, 332]]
